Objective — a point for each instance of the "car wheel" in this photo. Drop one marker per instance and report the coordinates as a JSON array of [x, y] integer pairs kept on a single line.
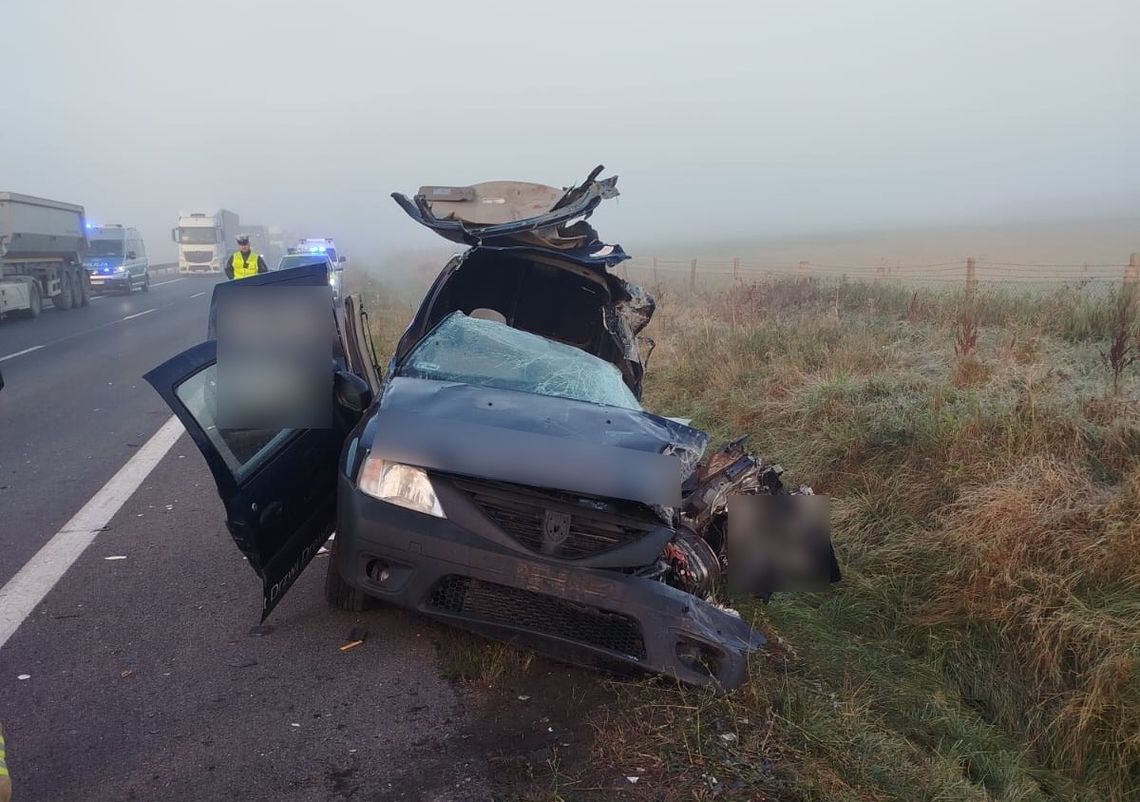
[[84, 288], [129, 285], [35, 302], [63, 300], [340, 594], [146, 282]]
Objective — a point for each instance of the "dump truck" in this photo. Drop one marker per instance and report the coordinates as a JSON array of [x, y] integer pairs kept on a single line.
[[42, 244]]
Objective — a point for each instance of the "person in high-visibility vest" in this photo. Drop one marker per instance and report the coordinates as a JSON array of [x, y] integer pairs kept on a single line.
[[244, 263]]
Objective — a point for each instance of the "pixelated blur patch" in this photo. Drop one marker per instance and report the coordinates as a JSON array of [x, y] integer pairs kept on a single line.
[[275, 349], [780, 543]]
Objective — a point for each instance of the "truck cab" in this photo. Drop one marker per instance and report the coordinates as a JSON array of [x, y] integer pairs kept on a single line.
[[205, 240], [116, 259]]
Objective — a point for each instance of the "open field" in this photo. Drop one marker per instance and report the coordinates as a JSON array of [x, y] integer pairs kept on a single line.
[[985, 641]]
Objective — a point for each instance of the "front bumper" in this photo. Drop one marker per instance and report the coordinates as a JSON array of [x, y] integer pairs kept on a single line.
[[582, 615], [109, 280]]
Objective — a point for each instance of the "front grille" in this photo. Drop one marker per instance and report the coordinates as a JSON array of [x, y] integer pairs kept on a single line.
[[560, 524], [476, 600], [198, 257]]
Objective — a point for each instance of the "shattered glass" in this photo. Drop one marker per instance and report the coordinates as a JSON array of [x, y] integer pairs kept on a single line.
[[487, 353]]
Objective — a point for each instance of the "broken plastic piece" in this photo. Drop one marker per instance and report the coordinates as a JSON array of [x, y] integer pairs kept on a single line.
[[356, 637]]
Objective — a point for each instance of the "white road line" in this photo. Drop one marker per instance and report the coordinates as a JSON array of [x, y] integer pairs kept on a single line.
[[140, 314], [197, 295], [172, 281], [19, 597], [20, 353]]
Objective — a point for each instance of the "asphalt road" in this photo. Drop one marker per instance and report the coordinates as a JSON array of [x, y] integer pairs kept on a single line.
[[143, 676]]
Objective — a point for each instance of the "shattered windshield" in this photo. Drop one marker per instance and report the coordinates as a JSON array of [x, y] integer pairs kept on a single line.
[[487, 353]]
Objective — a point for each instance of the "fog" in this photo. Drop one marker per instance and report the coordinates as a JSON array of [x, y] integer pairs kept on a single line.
[[723, 119]]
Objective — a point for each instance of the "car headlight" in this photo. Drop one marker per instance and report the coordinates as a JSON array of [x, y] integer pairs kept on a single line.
[[334, 279], [396, 483], [120, 269]]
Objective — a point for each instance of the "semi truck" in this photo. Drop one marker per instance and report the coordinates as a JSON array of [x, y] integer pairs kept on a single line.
[[269, 241], [278, 245], [42, 244], [205, 239]]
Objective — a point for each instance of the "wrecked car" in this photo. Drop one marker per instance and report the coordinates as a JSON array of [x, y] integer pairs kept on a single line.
[[501, 473]]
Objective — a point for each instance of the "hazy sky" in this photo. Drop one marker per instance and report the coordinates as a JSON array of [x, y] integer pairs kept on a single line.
[[722, 118]]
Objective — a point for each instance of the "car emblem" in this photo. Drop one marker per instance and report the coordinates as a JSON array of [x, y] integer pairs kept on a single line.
[[555, 528]]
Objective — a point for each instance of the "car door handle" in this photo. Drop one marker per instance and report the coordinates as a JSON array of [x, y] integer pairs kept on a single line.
[[270, 513]]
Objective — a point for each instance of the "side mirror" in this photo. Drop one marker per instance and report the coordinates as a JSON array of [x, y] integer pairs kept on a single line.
[[174, 234], [351, 392], [342, 259], [131, 255]]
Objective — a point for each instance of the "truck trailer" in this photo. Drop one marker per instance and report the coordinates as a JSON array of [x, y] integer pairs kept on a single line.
[[42, 244], [205, 239]]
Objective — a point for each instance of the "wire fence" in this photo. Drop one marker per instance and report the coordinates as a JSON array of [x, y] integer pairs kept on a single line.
[[719, 271]]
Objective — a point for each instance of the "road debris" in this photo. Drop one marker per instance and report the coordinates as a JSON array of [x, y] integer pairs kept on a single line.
[[22, 677], [356, 637], [127, 673], [116, 557]]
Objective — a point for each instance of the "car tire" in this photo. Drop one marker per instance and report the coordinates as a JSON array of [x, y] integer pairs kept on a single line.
[[340, 594], [146, 282], [129, 285], [62, 301], [84, 288], [35, 302]]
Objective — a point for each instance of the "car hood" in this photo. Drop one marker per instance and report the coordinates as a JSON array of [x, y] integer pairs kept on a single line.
[[518, 213], [536, 440]]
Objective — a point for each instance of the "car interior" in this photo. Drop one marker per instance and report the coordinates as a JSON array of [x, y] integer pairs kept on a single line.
[[542, 295]]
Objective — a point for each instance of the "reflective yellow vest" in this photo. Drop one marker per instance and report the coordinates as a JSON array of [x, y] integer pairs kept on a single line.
[[244, 269]]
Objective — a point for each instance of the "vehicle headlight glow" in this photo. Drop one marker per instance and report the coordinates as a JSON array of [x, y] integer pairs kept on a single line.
[[399, 484], [120, 269]]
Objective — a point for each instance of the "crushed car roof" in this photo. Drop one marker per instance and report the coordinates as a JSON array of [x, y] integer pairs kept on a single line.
[[517, 213]]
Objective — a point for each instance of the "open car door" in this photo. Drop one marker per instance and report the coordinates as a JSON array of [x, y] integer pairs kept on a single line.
[[278, 486]]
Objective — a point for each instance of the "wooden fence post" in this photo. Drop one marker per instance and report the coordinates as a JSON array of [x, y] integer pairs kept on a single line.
[[971, 277], [693, 275], [736, 268], [655, 270], [1132, 274]]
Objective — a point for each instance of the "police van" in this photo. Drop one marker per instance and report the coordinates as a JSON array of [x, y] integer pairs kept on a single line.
[[116, 259]]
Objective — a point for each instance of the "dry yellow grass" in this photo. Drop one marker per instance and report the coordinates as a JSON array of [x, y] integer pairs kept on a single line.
[[984, 644]]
